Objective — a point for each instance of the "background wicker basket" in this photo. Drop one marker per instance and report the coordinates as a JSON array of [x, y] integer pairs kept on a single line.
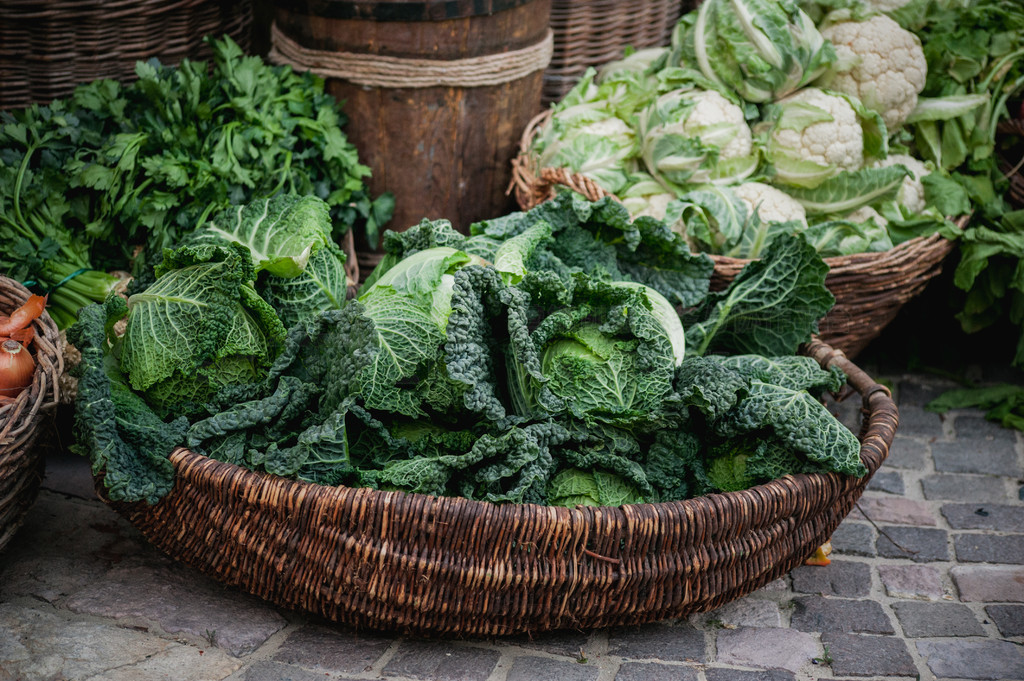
[[594, 32], [433, 565], [21, 464], [870, 288], [47, 47]]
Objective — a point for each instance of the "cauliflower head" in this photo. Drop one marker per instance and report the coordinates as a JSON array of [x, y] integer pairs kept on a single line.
[[814, 135], [911, 192], [770, 203], [880, 63]]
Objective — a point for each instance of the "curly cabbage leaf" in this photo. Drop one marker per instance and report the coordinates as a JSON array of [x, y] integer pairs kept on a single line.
[[572, 487]]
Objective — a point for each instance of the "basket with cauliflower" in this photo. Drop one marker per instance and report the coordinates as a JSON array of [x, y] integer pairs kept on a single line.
[[759, 120]]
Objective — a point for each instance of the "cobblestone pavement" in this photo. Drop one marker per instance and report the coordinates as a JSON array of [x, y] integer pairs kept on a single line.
[[926, 582]]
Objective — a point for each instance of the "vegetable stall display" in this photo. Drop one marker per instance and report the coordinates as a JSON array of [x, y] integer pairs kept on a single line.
[[106, 178], [868, 129]]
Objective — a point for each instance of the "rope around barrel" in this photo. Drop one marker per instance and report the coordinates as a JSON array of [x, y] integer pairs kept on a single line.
[[374, 70]]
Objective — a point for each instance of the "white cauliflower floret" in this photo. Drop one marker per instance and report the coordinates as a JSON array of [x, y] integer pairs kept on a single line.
[[911, 192], [770, 203], [718, 121], [865, 213], [880, 63], [837, 143]]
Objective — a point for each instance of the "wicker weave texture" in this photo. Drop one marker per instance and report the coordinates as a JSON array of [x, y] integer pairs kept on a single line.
[[21, 464], [594, 32], [431, 565], [1011, 158], [47, 47], [870, 288]]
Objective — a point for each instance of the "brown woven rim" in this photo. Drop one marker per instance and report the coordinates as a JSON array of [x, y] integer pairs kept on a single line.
[[432, 565], [21, 465], [870, 288]]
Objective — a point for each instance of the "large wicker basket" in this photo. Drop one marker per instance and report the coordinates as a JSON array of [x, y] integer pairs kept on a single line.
[[594, 32], [21, 464], [431, 565], [47, 47], [870, 288]]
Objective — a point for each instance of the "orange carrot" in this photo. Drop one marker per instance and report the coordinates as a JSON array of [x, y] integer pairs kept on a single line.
[[23, 316]]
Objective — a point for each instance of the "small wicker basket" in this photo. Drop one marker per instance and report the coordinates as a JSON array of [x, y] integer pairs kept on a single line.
[[21, 463], [439, 565], [48, 47], [870, 288], [594, 32]]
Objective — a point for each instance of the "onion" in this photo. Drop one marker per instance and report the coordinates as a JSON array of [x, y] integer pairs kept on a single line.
[[17, 368]]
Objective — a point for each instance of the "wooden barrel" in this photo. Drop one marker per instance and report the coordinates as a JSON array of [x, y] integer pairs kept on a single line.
[[437, 93]]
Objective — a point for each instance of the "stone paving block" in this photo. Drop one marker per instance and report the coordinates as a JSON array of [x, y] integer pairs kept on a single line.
[[719, 674], [911, 581], [747, 612], [960, 659], [41, 645], [854, 539], [898, 510], [173, 664], [866, 655], [920, 620], [532, 668], [914, 420], [1009, 619], [766, 648], [651, 671], [989, 548], [334, 650], [263, 670], [180, 601], [658, 641], [442, 661], [816, 613], [567, 643], [914, 391], [920, 544], [845, 578], [973, 488], [979, 428], [998, 517], [890, 482], [989, 583], [976, 456], [906, 453]]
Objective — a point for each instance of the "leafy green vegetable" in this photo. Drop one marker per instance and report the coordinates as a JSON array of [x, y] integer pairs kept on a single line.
[[1004, 403], [573, 487]]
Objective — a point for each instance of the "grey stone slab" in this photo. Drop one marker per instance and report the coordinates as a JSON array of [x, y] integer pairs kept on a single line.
[[854, 539], [989, 583], [747, 612], [180, 601], [915, 421], [911, 581], [890, 482], [442, 661], [663, 642], [890, 509], [651, 671], [960, 659], [921, 620], [816, 613], [989, 548], [263, 670], [787, 649], [845, 578], [907, 453], [720, 674], [972, 427], [1009, 619], [37, 644], [915, 392], [998, 517], [535, 668], [955, 487], [568, 643], [920, 544], [976, 456], [865, 655], [334, 650]]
